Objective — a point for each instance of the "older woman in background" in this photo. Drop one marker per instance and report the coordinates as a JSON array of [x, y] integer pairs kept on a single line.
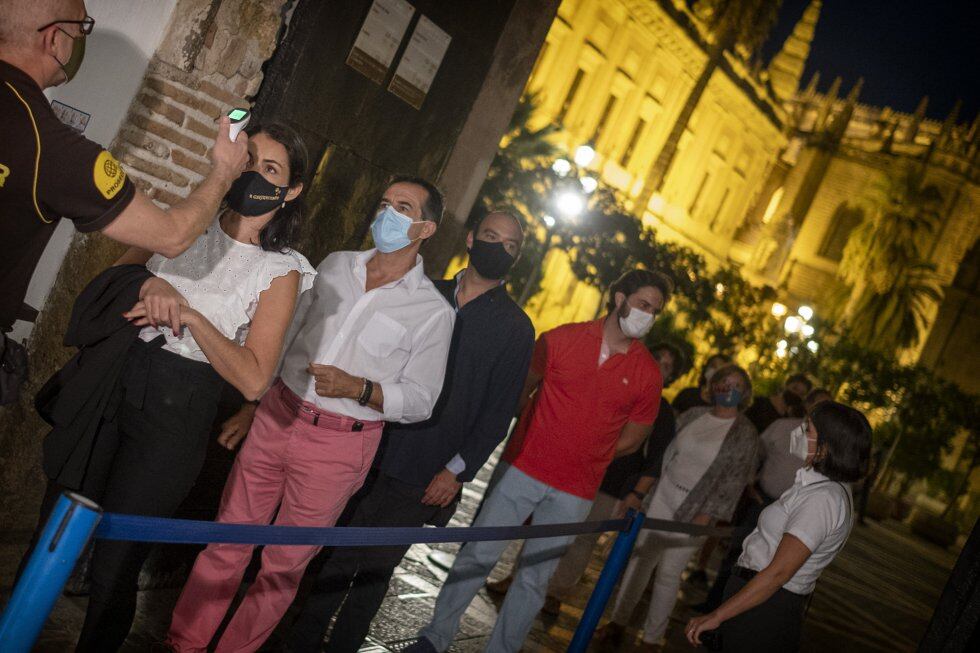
[[704, 471]]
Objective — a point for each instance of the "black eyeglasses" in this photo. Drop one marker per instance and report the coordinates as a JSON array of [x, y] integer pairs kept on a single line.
[[86, 25]]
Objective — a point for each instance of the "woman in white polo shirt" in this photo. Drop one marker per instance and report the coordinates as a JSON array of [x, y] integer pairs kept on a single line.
[[797, 537]]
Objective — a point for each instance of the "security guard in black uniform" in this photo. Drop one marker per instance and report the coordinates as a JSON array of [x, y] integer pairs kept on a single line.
[[49, 171]]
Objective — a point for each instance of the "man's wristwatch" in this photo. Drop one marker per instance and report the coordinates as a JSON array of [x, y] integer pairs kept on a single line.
[[366, 391]]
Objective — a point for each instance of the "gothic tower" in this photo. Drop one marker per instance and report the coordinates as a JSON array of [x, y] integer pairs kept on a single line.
[[786, 68]]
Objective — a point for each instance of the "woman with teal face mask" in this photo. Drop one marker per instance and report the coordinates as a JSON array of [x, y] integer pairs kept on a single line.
[[705, 469]]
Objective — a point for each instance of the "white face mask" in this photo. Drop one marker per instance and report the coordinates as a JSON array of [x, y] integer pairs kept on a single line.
[[637, 324], [798, 443]]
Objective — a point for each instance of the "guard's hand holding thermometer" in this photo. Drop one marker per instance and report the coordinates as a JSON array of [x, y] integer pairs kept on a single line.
[[239, 119], [229, 154]]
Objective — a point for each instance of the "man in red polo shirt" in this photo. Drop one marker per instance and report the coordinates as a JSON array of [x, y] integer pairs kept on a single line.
[[596, 390]]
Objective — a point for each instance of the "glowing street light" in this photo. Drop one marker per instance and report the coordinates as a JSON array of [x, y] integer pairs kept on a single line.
[[807, 330], [549, 221], [793, 324], [805, 312], [570, 204], [782, 344], [561, 167], [778, 309], [813, 346], [781, 353], [589, 184], [584, 155]]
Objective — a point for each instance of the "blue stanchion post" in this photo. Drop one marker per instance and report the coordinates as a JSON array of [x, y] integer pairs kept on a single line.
[[68, 530], [611, 572]]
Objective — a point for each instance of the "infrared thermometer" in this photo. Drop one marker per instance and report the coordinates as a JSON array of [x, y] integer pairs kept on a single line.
[[239, 118]]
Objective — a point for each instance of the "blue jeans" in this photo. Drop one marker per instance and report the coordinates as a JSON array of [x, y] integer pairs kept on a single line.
[[516, 496]]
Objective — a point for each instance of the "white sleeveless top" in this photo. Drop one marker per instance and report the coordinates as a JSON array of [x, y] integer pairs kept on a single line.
[[222, 278]]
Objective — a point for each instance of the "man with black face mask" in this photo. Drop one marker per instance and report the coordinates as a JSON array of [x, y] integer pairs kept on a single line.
[[422, 466]]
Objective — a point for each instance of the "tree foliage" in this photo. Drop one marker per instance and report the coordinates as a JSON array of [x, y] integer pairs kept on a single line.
[[885, 262]]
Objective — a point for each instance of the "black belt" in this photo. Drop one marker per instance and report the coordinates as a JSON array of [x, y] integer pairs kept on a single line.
[[748, 574]]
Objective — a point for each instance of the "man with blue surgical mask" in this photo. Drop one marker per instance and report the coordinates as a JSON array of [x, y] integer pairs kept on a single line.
[[368, 345]]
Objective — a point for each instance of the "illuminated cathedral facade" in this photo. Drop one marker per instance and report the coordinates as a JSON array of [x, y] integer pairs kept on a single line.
[[767, 172]]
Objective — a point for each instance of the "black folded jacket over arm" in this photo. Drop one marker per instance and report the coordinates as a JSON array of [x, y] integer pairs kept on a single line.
[[79, 396]]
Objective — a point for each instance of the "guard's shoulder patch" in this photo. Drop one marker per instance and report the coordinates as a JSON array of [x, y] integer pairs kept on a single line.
[[108, 175]]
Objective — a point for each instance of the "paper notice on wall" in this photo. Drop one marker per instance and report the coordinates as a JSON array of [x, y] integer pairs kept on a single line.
[[419, 64], [379, 38], [74, 118]]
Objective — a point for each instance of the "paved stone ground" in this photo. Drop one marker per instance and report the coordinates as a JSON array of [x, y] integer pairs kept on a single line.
[[877, 596]]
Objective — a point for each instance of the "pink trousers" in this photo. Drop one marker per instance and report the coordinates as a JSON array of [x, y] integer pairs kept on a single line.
[[307, 463]]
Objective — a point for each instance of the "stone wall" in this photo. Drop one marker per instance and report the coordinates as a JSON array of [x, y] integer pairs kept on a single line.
[[209, 61]]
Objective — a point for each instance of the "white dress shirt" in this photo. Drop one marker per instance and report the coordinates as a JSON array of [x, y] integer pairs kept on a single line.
[[818, 512], [397, 335]]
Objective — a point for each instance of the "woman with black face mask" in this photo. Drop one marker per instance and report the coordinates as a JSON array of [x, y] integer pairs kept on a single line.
[[217, 313]]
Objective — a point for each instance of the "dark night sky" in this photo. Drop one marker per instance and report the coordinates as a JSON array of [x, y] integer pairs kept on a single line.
[[904, 49]]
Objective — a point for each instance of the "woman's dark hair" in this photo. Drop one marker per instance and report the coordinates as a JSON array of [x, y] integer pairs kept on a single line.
[[724, 358], [844, 437], [280, 232], [638, 278]]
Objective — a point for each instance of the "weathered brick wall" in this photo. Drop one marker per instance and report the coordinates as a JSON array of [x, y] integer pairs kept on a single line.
[[207, 64], [209, 61]]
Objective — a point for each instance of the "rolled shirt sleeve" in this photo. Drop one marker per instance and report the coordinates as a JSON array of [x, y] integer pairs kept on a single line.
[[413, 396]]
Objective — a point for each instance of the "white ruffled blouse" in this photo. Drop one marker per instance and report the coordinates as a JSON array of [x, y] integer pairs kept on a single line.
[[222, 278]]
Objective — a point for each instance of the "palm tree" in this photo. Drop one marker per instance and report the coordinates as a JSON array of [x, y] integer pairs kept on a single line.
[[895, 318], [892, 282], [744, 24]]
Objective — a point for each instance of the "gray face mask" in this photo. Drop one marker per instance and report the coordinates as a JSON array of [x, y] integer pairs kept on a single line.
[[70, 67]]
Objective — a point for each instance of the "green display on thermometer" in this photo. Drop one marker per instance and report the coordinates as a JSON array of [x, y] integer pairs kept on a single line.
[[239, 118]]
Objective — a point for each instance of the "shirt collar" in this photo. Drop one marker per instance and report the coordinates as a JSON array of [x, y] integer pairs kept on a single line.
[[807, 476], [16, 74], [496, 290], [412, 279]]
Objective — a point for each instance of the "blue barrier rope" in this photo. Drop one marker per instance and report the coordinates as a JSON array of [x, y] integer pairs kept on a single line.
[[136, 528]]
